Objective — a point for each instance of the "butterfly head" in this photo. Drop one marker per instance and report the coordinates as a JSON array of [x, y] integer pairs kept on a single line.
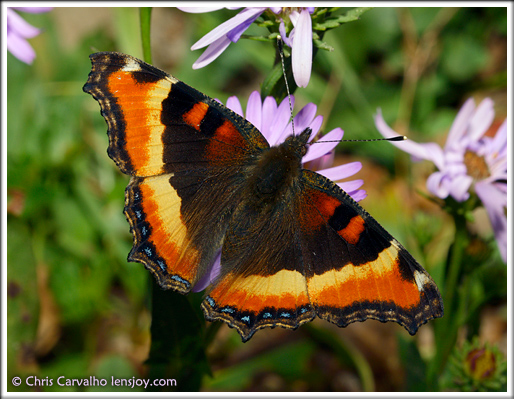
[[298, 143]]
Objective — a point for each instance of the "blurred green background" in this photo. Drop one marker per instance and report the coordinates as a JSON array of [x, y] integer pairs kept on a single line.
[[77, 308]]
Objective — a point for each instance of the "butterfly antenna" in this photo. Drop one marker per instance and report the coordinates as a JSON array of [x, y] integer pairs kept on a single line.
[[280, 45], [395, 138]]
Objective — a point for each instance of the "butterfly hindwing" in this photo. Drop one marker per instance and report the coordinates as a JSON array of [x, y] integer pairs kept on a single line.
[[186, 153]]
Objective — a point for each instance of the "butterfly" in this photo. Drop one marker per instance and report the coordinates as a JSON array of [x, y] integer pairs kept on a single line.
[[206, 183]]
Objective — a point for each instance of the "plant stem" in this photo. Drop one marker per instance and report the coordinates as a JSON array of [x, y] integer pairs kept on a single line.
[[446, 329], [145, 14]]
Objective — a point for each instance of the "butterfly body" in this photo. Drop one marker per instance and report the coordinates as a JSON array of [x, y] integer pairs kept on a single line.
[[207, 188], [277, 170]]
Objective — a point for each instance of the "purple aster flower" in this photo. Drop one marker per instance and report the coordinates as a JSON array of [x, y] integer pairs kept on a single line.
[[19, 30], [273, 121], [299, 39], [469, 159]]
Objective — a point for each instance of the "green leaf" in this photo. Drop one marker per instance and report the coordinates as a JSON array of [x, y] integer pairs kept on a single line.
[[328, 24], [178, 340], [322, 45], [414, 366], [273, 84], [335, 21]]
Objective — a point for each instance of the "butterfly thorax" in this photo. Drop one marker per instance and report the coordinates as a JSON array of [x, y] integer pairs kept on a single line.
[[277, 169]]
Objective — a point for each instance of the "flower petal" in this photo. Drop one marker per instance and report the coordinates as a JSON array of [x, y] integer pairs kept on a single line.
[[357, 195], [352, 185], [496, 153], [315, 125], [352, 189], [279, 126], [454, 157], [499, 142], [276, 10], [33, 10], [293, 17], [481, 120], [459, 188], [383, 128], [223, 29], [235, 34], [437, 184], [210, 276], [460, 125], [234, 104], [283, 34], [254, 109], [304, 117], [269, 109], [301, 53], [431, 151], [495, 202], [321, 163], [211, 53], [341, 171], [18, 25], [428, 151], [20, 48], [317, 150]]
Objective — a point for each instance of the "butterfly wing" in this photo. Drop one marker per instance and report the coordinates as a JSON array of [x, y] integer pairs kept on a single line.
[[355, 269], [317, 253], [186, 153]]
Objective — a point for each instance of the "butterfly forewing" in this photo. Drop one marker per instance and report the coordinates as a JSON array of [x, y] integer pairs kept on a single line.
[[187, 153]]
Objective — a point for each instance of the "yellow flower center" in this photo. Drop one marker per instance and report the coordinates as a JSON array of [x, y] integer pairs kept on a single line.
[[476, 165]]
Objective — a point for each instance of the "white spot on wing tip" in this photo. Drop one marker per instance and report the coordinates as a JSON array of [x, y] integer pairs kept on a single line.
[[131, 66], [421, 280]]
